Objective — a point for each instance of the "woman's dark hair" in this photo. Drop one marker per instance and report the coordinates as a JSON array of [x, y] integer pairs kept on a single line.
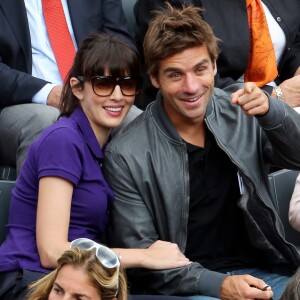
[[99, 52]]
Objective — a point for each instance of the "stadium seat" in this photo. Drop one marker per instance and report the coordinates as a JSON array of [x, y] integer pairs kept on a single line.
[[7, 173], [5, 191], [282, 185]]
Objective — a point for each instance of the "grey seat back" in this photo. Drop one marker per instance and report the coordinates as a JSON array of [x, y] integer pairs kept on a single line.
[[5, 192], [282, 185]]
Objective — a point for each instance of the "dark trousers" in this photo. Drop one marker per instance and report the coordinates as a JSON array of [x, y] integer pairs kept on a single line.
[[13, 285]]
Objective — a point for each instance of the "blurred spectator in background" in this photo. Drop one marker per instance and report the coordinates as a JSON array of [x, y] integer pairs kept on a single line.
[[294, 210]]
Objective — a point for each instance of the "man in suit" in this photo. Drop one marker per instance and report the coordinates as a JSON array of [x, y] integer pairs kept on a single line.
[[229, 21], [31, 85]]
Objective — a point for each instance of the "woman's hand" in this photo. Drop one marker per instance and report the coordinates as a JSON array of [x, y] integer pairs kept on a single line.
[[164, 255], [160, 255]]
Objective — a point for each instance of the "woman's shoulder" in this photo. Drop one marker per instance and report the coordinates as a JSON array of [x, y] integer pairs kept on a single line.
[[65, 129]]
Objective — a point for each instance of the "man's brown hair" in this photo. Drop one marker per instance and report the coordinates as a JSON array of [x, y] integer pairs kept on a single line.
[[172, 31]]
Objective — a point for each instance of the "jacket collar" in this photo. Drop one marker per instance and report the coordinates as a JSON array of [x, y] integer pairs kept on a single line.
[[157, 109]]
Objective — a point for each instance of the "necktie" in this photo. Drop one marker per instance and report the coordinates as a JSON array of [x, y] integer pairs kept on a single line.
[[262, 66], [59, 35]]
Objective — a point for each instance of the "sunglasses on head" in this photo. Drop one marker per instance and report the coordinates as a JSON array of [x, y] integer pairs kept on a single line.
[[105, 85], [105, 255]]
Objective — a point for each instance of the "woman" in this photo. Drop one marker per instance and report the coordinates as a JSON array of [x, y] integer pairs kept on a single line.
[[80, 273], [61, 194]]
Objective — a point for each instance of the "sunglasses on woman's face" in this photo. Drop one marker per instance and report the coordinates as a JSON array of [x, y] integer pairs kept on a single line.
[[105, 85]]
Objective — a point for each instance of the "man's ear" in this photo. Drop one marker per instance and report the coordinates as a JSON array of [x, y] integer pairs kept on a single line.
[[215, 68], [76, 88], [154, 81]]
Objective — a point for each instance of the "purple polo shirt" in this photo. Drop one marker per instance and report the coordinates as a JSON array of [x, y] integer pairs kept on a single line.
[[67, 149]]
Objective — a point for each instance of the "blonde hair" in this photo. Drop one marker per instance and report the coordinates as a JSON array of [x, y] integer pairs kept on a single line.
[[105, 280], [292, 290]]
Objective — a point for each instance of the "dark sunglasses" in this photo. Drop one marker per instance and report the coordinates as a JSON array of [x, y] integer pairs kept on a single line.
[[105, 85]]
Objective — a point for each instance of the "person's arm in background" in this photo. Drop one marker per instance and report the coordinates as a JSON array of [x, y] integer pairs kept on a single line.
[[289, 66], [18, 86], [294, 210], [143, 14], [115, 22]]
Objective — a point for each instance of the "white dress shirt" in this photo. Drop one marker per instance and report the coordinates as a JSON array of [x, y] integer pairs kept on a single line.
[[44, 65]]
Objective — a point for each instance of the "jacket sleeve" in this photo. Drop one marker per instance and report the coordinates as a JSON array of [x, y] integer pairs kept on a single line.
[[291, 59], [143, 12], [133, 226], [114, 21], [281, 135], [17, 87], [294, 210]]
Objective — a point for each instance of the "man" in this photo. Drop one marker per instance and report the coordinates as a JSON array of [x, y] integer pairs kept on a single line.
[[230, 24], [31, 84], [198, 174]]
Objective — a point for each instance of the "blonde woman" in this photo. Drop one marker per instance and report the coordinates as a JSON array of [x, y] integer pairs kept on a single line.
[[80, 274]]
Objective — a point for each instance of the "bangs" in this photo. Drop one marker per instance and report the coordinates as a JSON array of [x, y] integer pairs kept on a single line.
[[117, 58]]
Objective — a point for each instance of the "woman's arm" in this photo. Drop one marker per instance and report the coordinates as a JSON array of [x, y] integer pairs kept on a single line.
[[53, 218], [294, 211], [160, 255]]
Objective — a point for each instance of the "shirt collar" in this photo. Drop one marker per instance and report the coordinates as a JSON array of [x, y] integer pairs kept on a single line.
[[88, 134]]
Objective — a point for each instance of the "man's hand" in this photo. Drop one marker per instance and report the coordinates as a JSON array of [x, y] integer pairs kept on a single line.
[[54, 96], [244, 287], [291, 91], [252, 100]]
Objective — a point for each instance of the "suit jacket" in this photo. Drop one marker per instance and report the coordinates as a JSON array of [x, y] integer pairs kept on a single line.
[[16, 83], [229, 21]]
